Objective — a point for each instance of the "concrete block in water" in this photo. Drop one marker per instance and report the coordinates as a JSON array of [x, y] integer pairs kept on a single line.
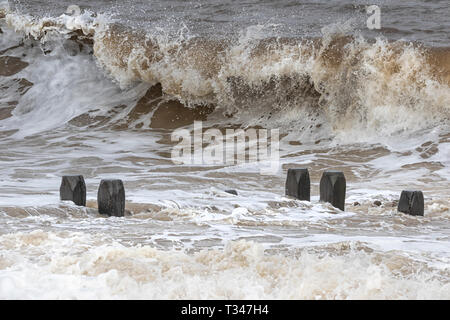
[[411, 202], [111, 198], [332, 188], [73, 188], [298, 184]]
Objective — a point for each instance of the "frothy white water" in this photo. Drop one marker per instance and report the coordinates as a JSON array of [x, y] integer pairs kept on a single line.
[[65, 83], [186, 237], [68, 265]]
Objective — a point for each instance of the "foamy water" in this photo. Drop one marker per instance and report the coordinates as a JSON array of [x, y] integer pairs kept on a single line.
[[100, 94]]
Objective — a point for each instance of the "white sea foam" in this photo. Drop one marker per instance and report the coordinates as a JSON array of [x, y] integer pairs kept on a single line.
[[78, 266]]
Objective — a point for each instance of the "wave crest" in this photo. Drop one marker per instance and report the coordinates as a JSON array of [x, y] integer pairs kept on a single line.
[[355, 84]]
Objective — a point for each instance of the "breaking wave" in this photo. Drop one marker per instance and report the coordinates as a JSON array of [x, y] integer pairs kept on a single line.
[[340, 82]]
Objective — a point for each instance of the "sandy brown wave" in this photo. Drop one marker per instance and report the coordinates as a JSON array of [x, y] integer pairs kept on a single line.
[[352, 82]]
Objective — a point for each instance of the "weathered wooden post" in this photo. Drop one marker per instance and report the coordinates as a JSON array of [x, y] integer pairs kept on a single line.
[[73, 188], [111, 198], [332, 188], [298, 184], [411, 202]]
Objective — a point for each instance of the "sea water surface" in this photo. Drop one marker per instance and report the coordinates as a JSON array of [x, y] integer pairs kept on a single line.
[[100, 94]]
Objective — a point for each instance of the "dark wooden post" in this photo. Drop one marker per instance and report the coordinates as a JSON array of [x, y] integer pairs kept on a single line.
[[73, 188], [332, 188], [298, 184], [411, 202], [111, 198]]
